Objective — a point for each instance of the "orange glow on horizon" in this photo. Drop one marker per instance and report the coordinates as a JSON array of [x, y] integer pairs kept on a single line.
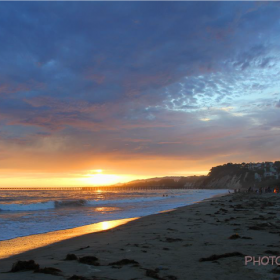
[[101, 179], [95, 176], [65, 180], [49, 180], [31, 168]]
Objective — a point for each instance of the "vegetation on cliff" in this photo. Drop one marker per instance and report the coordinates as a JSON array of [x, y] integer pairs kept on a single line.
[[229, 175]]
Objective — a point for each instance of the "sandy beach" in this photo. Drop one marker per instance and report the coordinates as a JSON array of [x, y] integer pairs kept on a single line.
[[207, 240]]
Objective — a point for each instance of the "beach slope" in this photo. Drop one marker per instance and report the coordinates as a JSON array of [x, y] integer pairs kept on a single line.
[[207, 240]]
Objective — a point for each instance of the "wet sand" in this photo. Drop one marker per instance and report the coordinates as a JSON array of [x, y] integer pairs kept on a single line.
[[170, 245], [20, 245]]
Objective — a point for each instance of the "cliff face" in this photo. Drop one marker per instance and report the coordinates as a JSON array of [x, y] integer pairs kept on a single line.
[[220, 181], [224, 182], [235, 176], [227, 176], [169, 182]]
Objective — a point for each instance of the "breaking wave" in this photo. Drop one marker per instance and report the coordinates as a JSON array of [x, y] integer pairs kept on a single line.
[[72, 203], [27, 207]]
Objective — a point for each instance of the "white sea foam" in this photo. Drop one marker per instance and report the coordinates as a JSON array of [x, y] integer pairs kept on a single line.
[[27, 207], [72, 203], [130, 200], [55, 211]]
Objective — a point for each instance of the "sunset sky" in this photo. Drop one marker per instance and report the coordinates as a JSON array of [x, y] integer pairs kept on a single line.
[[107, 92]]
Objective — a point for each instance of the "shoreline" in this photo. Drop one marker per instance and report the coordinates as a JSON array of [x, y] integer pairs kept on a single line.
[[15, 246], [18, 219], [170, 245], [27, 243]]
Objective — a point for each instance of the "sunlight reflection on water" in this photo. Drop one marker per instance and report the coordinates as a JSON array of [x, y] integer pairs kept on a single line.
[[22, 244]]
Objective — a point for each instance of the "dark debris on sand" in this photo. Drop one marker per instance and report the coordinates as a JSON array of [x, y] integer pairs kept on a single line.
[[82, 248], [71, 257], [264, 226], [31, 265], [276, 253], [78, 277], [237, 236], [217, 257], [49, 270], [124, 262], [101, 278], [170, 239], [171, 277], [153, 273], [24, 265], [276, 270], [91, 260], [234, 236]]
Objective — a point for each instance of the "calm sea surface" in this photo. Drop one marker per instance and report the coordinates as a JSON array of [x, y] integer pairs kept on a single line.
[[24, 213]]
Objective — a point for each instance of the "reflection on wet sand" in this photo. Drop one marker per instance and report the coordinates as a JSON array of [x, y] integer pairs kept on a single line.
[[27, 243]]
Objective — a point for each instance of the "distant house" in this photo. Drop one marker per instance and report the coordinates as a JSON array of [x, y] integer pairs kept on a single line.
[[263, 170], [268, 174], [258, 177], [272, 169]]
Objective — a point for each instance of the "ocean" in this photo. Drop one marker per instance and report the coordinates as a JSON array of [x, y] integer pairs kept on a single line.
[[24, 213]]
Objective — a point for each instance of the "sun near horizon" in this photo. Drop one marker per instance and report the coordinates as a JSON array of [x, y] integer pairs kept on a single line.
[[97, 177], [104, 177]]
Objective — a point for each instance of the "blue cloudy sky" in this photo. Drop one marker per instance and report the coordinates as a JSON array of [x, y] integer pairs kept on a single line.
[[137, 88]]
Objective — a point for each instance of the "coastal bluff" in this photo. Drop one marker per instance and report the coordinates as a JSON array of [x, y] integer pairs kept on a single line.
[[226, 176]]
